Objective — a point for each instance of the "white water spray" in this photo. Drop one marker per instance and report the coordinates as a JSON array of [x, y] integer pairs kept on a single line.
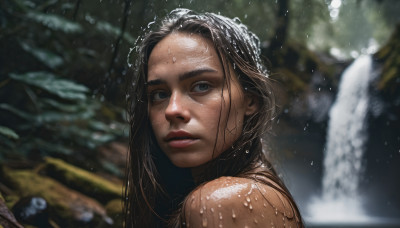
[[340, 200]]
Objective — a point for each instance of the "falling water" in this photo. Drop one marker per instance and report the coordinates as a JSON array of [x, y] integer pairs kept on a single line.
[[340, 200]]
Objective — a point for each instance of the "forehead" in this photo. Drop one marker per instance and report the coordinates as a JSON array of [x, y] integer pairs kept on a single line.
[[183, 40], [182, 52]]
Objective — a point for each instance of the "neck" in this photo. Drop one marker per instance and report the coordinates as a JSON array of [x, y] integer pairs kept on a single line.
[[198, 173]]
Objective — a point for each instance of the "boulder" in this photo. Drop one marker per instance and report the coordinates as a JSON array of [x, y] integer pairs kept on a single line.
[[67, 207], [81, 180]]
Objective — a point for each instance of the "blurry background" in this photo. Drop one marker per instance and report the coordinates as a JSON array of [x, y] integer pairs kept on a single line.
[[63, 72]]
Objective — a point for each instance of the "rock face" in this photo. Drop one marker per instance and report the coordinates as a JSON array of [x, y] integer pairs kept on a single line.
[[57, 194]]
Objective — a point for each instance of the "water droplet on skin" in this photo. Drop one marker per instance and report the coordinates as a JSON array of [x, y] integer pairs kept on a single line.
[[220, 225], [250, 207], [265, 205], [248, 199], [201, 211], [204, 223], [247, 151], [276, 211], [207, 197], [239, 195], [219, 205], [255, 198], [245, 204], [255, 221], [212, 209], [312, 162], [233, 214], [173, 59], [220, 216]]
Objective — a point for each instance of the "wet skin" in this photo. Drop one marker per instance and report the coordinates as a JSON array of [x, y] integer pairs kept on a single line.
[[188, 107], [189, 100], [238, 202]]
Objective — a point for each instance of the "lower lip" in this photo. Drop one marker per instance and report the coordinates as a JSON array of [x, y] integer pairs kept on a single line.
[[181, 143]]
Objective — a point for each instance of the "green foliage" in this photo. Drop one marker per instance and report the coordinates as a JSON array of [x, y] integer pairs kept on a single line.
[[47, 106], [8, 132], [55, 22], [46, 57], [63, 88]]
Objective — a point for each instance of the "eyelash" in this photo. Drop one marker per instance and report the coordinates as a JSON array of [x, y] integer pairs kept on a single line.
[[201, 83], [152, 94]]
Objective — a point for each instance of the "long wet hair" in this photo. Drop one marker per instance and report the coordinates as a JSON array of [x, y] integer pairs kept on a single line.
[[151, 195]]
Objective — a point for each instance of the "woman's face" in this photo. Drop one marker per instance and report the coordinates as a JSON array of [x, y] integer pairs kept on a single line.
[[189, 102]]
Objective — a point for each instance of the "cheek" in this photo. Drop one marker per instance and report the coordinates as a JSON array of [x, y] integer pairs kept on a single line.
[[156, 120]]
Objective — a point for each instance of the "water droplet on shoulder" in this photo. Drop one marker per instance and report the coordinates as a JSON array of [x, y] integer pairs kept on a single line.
[[204, 223]]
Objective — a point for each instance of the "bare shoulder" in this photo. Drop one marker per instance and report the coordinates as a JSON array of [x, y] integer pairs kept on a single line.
[[238, 202]]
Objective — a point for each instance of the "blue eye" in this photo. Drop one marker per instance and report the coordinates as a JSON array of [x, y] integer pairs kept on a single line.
[[158, 95], [201, 87]]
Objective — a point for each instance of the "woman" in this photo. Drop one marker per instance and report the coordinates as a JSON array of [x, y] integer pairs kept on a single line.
[[199, 105]]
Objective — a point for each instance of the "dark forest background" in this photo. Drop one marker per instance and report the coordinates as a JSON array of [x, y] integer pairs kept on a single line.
[[63, 73]]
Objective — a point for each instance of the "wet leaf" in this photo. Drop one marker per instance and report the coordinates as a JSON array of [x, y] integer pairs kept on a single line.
[[49, 116], [53, 104], [51, 147], [55, 22], [103, 26], [51, 83], [6, 144], [48, 58], [16, 111], [87, 137], [8, 132]]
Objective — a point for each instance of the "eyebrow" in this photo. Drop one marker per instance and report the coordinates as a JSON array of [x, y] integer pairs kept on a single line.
[[184, 76]]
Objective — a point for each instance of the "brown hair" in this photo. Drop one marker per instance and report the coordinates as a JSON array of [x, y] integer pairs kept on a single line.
[[147, 179]]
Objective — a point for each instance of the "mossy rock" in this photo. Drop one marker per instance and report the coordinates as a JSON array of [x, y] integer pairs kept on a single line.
[[68, 207], [81, 180], [296, 66], [389, 57], [10, 200]]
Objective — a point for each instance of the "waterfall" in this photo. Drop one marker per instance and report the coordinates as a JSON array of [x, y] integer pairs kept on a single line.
[[343, 166]]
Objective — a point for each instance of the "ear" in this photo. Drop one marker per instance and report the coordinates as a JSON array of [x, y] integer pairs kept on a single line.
[[251, 104]]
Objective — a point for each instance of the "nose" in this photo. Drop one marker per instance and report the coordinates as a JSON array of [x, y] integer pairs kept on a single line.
[[177, 109]]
